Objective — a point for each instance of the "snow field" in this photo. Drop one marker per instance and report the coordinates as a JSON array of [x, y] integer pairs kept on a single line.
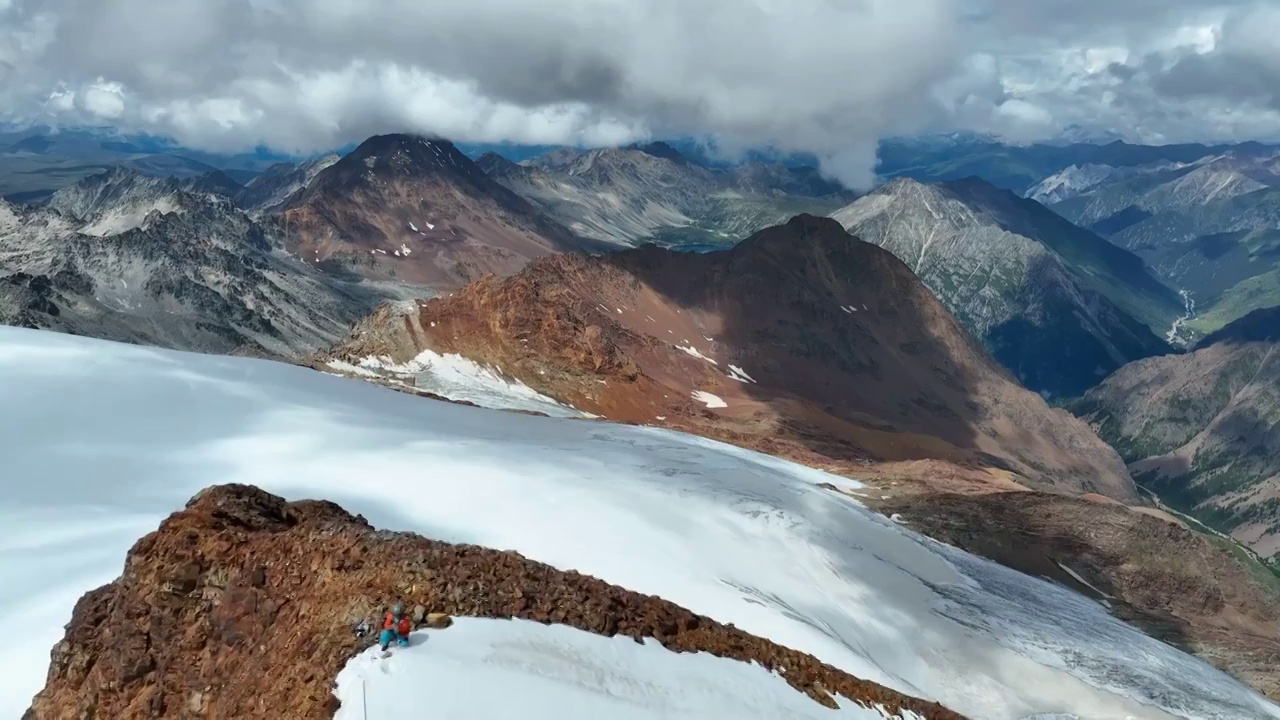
[[92, 432], [480, 669]]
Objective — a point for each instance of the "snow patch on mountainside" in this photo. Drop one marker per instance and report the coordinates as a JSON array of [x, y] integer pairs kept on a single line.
[[692, 351], [481, 668], [456, 377], [711, 401], [103, 439], [740, 375]]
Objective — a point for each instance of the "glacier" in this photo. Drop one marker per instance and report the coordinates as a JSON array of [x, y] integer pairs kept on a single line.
[[101, 440]]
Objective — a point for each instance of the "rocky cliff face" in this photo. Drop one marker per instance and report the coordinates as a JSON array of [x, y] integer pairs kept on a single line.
[[1054, 303], [121, 199], [194, 274], [278, 183], [416, 210], [801, 341], [1203, 429], [242, 606]]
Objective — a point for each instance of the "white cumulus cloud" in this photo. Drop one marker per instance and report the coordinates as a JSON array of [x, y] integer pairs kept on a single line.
[[825, 76]]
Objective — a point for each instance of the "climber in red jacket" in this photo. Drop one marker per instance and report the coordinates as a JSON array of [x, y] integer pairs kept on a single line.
[[396, 626]]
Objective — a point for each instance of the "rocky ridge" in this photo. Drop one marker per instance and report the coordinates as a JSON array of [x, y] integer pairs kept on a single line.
[[242, 605], [120, 199], [194, 274]]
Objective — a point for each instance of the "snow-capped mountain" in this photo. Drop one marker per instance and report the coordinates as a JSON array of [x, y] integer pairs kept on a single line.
[[775, 549], [1056, 304]]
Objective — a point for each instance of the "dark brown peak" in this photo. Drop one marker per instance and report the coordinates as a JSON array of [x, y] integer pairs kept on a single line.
[[1262, 325], [401, 153], [395, 157], [798, 232], [397, 141]]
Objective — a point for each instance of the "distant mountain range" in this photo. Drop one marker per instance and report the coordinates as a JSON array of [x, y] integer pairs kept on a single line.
[[1021, 167], [1209, 227], [1059, 306], [654, 193], [35, 162]]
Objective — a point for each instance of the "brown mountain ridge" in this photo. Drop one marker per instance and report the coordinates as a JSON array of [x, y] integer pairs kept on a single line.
[[242, 605], [801, 341], [419, 211]]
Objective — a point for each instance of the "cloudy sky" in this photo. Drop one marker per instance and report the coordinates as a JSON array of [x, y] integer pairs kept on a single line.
[[826, 76]]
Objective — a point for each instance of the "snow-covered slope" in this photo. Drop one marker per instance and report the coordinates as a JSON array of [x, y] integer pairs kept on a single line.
[[482, 668], [102, 440], [458, 378]]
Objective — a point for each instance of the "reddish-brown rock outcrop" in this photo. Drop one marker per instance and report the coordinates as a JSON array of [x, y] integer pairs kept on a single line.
[[242, 606]]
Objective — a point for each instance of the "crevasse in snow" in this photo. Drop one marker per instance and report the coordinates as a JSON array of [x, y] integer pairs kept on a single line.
[[101, 440]]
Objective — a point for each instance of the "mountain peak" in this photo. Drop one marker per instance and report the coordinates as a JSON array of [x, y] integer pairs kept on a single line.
[[397, 141], [396, 156], [495, 165]]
